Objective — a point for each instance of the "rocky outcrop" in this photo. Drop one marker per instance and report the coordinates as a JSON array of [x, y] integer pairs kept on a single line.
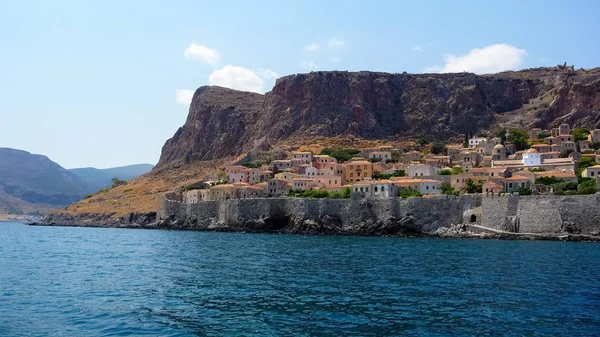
[[224, 122], [133, 220]]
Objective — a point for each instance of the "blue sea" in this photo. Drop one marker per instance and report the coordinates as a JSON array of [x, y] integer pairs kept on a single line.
[[60, 281]]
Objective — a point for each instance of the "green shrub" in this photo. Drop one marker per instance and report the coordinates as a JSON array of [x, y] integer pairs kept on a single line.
[[445, 172], [408, 193], [538, 169], [580, 134], [524, 191], [548, 180], [341, 155], [543, 135]]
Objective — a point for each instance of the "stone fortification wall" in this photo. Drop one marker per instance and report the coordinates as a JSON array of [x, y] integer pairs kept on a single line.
[[578, 214], [339, 216]]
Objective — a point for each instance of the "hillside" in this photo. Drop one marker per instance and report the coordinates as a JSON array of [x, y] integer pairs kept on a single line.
[[335, 108], [101, 178], [36, 179]]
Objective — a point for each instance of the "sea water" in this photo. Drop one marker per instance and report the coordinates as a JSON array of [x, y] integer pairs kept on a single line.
[[61, 281]]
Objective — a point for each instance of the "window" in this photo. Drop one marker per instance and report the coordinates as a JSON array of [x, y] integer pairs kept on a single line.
[[375, 188], [592, 173]]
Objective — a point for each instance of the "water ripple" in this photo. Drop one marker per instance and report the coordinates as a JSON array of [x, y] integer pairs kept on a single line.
[[58, 281]]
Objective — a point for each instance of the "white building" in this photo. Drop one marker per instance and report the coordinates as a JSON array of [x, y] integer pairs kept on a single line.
[[311, 172], [422, 170], [473, 142], [532, 158], [376, 189]]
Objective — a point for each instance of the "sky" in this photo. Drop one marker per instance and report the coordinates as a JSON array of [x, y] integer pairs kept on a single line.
[[106, 83]]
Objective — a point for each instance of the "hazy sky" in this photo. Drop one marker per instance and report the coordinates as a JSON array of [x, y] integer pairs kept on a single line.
[[105, 83]]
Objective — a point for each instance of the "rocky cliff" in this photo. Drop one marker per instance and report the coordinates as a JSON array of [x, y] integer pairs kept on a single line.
[[368, 105]]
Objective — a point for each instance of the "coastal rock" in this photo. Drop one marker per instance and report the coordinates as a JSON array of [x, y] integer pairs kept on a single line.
[[372, 105]]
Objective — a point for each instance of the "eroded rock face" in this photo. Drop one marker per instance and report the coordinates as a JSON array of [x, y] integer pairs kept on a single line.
[[224, 122]]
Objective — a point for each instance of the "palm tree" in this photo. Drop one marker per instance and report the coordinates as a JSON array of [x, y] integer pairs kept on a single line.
[[472, 186]]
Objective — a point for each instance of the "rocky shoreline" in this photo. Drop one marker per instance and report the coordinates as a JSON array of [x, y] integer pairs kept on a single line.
[[400, 228]]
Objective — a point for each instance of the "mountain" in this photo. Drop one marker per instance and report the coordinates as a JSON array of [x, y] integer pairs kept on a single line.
[[371, 105], [36, 179], [101, 178], [353, 109]]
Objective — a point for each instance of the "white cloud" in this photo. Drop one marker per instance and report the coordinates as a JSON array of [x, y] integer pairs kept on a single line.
[[312, 47], [336, 44], [237, 78], [184, 96], [417, 49], [309, 65], [199, 52], [490, 59], [267, 74]]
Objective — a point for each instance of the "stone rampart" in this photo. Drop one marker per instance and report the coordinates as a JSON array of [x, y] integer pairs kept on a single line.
[[579, 214], [335, 216]]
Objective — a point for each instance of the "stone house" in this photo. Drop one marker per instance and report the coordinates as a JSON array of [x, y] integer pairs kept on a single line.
[[311, 172], [595, 135], [591, 172], [564, 129], [376, 189], [280, 165], [550, 155], [328, 180], [533, 133], [276, 187], [358, 170], [542, 148], [552, 140], [422, 170], [305, 157], [564, 175], [266, 175], [492, 172], [568, 146], [222, 192], [510, 148], [554, 132], [584, 145], [458, 181], [302, 183], [473, 142], [499, 152], [492, 187], [243, 191], [323, 159], [515, 182], [423, 186], [286, 176], [381, 155], [195, 196], [411, 156]]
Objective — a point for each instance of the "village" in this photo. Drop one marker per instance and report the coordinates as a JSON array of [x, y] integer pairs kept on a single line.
[[556, 161]]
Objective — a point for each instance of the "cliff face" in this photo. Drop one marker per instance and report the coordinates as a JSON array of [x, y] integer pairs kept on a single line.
[[224, 122]]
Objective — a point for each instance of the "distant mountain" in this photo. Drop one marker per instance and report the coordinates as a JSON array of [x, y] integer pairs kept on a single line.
[[101, 178], [36, 179], [32, 183]]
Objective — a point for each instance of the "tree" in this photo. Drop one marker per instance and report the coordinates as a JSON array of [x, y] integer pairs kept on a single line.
[[118, 182], [408, 193], [524, 190], [595, 145], [448, 190], [423, 142], [581, 134], [548, 180], [457, 170], [584, 163], [519, 138], [543, 135], [438, 147], [473, 186], [587, 186], [341, 155], [399, 173], [566, 153], [445, 172], [502, 136]]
